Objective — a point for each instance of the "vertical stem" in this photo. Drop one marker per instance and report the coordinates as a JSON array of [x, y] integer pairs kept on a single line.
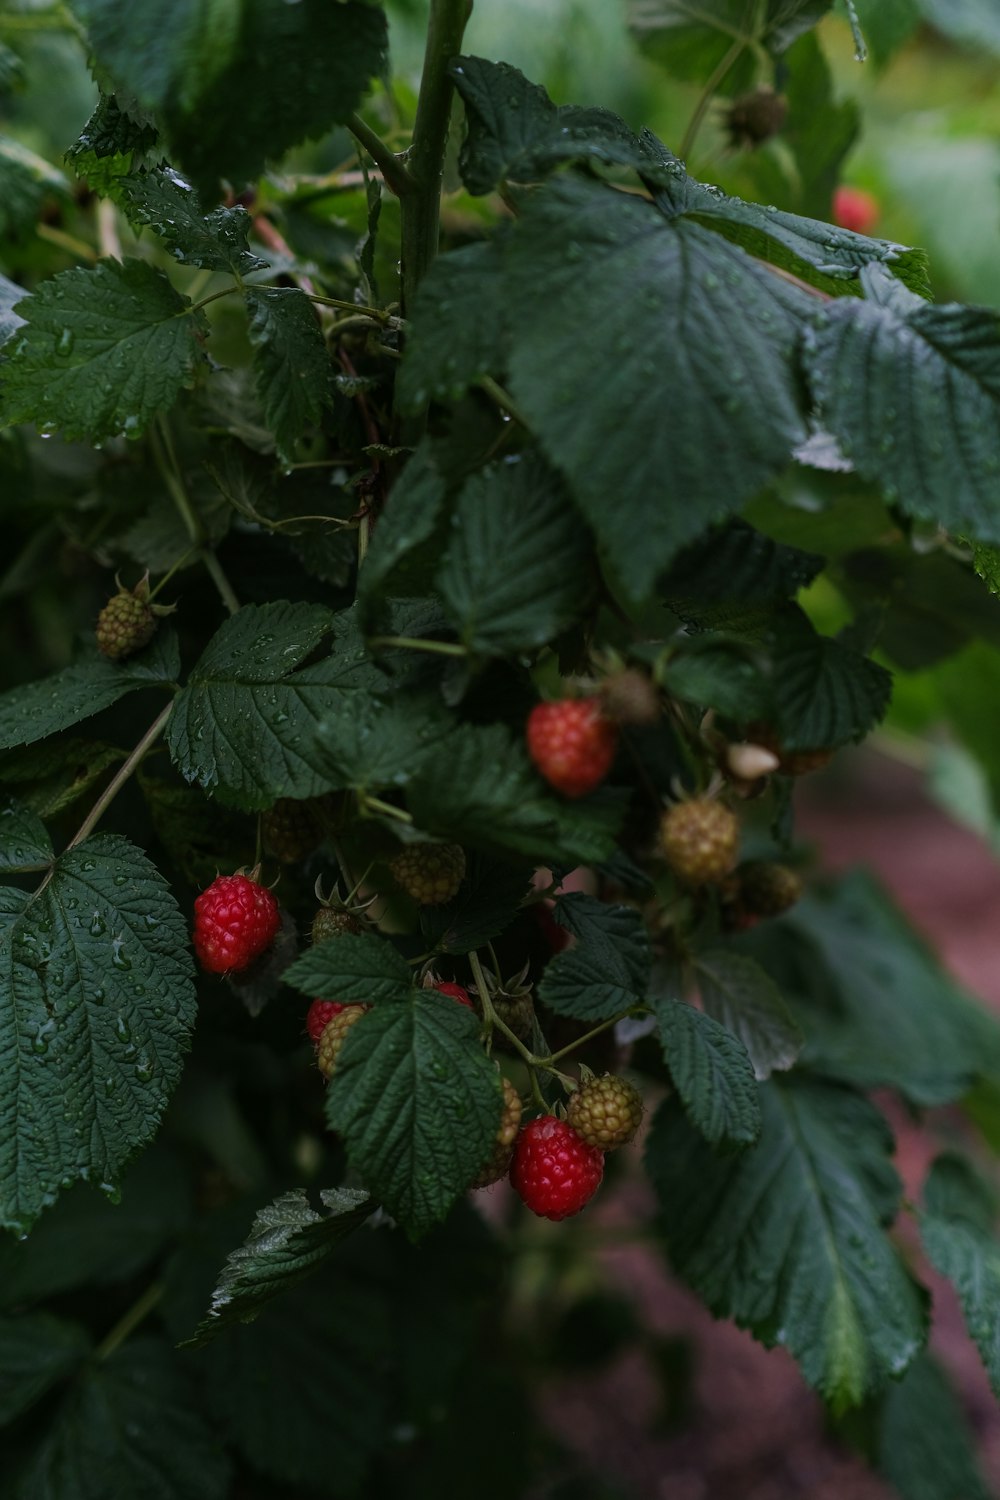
[[425, 161]]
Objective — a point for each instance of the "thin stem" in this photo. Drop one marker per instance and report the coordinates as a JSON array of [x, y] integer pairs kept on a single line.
[[114, 786], [353, 307], [706, 96], [499, 395], [227, 291], [418, 643], [490, 1017], [581, 1041], [387, 808], [77, 248], [126, 1325], [396, 177], [166, 461], [425, 161], [168, 575]]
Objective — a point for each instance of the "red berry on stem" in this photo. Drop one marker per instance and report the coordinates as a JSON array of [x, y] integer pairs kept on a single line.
[[456, 992], [318, 1014], [855, 209], [554, 1171], [235, 921], [573, 744]]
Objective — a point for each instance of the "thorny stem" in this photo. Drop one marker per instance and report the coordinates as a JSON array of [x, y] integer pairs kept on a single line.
[[115, 785], [397, 179], [421, 208], [135, 1315]]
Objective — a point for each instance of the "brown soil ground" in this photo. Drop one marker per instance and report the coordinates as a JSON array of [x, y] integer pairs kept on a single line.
[[754, 1431]]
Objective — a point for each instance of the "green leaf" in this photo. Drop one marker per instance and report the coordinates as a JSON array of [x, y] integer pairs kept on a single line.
[[825, 693], [36, 1352], [613, 934], [98, 1008], [24, 839], [926, 1448], [488, 901], [359, 969], [170, 1450], [886, 1014], [456, 330], [246, 726], [515, 133], [888, 373], [712, 1073], [302, 1393], [972, 22], [418, 1104], [10, 295], [87, 1240], [103, 349], [383, 742], [517, 569], [42, 708], [787, 1238], [50, 778], [112, 143], [725, 676], [291, 364], [831, 259], [820, 130], [26, 180], [403, 556], [486, 794], [958, 1228], [734, 567], [288, 1242], [692, 39], [738, 994], [237, 86], [162, 200], [716, 353]]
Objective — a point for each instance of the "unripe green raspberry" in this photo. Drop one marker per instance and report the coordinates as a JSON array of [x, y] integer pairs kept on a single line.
[[700, 840], [766, 889], [333, 921], [605, 1112], [430, 873], [124, 626], [516, 1010], [503, 1146], [290, 830], [333, 1036]]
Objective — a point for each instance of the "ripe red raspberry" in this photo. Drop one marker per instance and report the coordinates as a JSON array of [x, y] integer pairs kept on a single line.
[[333, 1036], [319, 1013], [235, 921], [498, 1161], [125, 625], [430, 873], [700, 839], [456, 992], [855, 209], [572, 743], [767, 889], [605, 1112], [333, 921], [553, 1170]]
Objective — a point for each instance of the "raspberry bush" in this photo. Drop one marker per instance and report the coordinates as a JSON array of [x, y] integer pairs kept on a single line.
[[519, 519]]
